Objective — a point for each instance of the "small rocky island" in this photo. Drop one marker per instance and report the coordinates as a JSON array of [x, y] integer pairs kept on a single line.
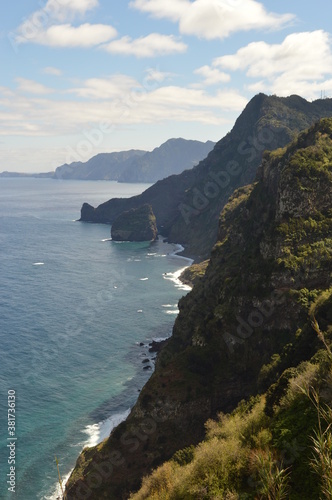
[[137, 224]]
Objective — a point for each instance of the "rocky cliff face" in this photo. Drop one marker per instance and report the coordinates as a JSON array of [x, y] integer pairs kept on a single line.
[[187, 206], [137, 224], [242, 325]]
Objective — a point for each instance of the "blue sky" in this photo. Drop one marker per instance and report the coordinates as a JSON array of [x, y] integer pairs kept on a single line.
[[80, 77]]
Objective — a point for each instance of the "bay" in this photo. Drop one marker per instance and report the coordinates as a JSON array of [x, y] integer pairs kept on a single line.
[[74, 309]]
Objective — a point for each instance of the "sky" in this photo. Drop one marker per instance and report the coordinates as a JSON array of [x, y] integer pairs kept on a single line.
[[81, 77]]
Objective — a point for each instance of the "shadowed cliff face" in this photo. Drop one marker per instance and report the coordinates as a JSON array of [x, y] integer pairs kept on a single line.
[[187, 206], [138, 224], [274, 252]]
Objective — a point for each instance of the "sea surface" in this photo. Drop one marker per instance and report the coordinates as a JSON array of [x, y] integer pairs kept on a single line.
[[75, 308]]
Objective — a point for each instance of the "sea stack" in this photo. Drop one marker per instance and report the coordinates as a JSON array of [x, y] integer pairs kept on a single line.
[[137, 224]]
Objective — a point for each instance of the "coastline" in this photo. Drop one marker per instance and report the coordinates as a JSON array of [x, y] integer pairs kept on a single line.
[[100, 431]]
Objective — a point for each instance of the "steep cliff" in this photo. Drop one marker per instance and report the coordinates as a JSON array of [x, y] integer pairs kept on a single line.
[[187, 206], [243, 324], [138, 224]]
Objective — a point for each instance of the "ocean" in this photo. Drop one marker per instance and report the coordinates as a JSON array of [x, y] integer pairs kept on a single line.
[[77, 313]]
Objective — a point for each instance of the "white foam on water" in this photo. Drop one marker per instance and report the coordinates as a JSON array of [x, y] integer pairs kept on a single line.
[[160, 339], [178, 249], [100, 431], [175, 277], [107, 239], [38, 264], [97, 433], [57, 495]]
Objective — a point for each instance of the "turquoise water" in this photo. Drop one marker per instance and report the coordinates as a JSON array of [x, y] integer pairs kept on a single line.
[[74, 308]]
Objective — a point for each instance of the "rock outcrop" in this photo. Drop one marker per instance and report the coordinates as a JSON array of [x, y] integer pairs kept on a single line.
[[242, 325], [137, 224], [187, 206]]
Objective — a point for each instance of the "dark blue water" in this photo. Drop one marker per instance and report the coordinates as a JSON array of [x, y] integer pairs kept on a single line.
[[74, 307]]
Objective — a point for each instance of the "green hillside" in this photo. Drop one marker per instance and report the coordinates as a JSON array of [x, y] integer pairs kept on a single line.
[[247, 332]]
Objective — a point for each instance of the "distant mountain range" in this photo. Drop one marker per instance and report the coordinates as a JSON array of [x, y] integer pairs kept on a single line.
[[187, 206], [135, 165]]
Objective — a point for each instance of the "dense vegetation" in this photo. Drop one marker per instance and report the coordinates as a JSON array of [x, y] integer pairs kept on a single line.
[[277, 444], [245, 355], [138, 224], [273, 446]]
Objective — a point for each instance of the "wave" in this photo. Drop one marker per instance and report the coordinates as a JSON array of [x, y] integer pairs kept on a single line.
[[57, 495], [175, 277], [160, 339], [97, 433], [38, 264], [178, 249], [106, 239]]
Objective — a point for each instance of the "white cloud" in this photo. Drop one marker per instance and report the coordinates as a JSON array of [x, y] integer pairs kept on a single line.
[[155, 76], [118, 101], [213, 19], [70, 6], [298, 65], [169, 9], [198, 98], [65, 35], [50, 70], [48, 26], [212, 76], [151, 45], [32, 87], [106, 88], [56, 11]]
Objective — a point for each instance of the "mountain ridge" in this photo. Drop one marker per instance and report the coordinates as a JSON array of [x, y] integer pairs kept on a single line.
[[244, 323], [190, 215], [134, 165]]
